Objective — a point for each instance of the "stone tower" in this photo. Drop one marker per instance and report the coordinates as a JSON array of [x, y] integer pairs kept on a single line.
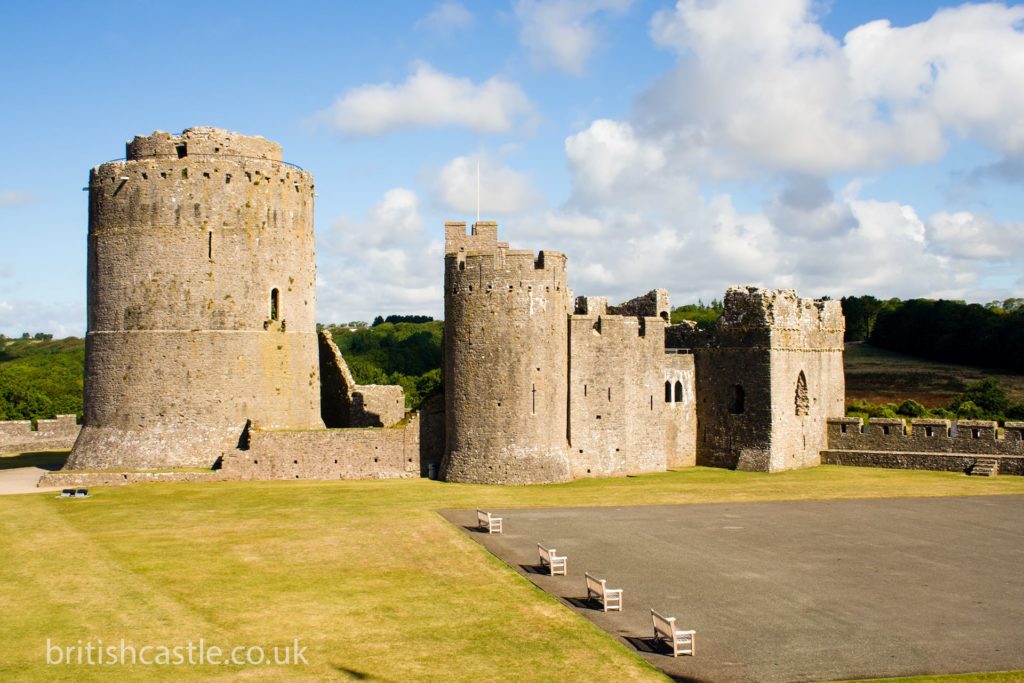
[[769, 380], [505, 360], [201, 300]]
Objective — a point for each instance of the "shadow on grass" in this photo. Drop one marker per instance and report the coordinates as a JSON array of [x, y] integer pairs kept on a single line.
[[357, 675], [47, 460]]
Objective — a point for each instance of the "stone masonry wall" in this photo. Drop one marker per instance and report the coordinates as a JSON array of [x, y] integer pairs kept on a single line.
[[505, 361], [616, 407], [17, 436], [201, 300], [680, 421], [768, 380], [347, 404], [387, 453]]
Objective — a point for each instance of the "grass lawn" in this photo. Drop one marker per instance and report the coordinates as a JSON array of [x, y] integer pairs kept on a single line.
[[365, 574], [881, 376]]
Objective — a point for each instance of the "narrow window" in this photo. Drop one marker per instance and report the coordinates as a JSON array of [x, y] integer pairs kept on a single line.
[[584, 390], [975, 433], [803, 404], [209, 245], [668, 392], [609, 393], [928, 431], [533, 392], [842, 429], [652, 401], [738, 399], [885, 430], [182, 150], [274, 304], [679, 392]]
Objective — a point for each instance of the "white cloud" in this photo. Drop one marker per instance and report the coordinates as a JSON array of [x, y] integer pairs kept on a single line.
[[13, 198], [502, 189], [429, 98], [563, 33], [379, 266], [18, 316], [447, 18], [969, 236], [763, 84]]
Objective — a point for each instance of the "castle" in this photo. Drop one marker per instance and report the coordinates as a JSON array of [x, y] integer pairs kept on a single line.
[[202, 348]]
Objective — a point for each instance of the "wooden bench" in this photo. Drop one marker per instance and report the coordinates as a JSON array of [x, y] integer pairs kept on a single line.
[[555, 563], [610, 598], [488, 522], [682, 642]]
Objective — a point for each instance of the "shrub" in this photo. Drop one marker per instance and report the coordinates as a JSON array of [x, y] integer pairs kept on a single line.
[[968, 410], [911, 408]]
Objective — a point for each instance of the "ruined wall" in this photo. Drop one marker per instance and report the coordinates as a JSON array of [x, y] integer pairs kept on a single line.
[[505, 361], [201, 300], [387, 453], [768, 381], [347, 404], [17, 436], [616, 406], [653, 304], [679, 394]]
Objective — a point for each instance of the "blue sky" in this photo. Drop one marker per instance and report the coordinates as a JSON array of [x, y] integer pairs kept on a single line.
[[837, 148]]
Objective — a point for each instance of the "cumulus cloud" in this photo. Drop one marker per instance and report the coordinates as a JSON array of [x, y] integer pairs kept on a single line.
[[502, 189], [563, 33], [18, 316], [447, 18], [966, 235], [381, 265], [429, 98], [763, 84], [13, 198]]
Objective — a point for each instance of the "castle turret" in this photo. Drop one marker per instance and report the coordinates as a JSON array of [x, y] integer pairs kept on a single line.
[[768, 380], [201, 300], [506, 360]]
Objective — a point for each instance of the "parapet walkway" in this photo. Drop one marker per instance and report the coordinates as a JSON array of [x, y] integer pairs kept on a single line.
[[795, 591]]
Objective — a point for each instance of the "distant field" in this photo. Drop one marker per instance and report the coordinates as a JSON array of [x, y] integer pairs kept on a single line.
[[881, 376]]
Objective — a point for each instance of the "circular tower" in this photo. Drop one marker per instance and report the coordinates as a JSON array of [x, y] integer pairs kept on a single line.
[[505, 361], [201, 300]]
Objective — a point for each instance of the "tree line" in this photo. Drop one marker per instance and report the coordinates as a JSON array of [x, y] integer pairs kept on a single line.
[[984, 335]]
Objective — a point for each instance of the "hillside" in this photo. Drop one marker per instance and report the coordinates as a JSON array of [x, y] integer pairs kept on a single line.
[[41, 378], [881, 376]]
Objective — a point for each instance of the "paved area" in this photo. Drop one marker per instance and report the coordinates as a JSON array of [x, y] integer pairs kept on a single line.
[[795, 591], [22, 480]]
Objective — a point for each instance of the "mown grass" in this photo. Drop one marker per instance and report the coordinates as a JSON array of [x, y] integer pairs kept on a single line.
[[881, 376], [365, 574]]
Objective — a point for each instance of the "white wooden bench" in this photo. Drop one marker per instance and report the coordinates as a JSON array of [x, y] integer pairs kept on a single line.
[[488, 522], [682, 642], [610, 598], [548, 558]]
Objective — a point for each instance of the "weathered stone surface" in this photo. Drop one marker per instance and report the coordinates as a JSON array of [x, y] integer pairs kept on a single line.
[[201, 300], [975, 437], [347, 404], [505, 361], [17, 436], [767, 381]]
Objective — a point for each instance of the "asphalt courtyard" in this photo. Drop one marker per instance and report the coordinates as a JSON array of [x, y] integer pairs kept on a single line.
[[794, 591]]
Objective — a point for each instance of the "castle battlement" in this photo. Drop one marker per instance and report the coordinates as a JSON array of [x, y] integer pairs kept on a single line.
[[201, 141], [756, 307], [925, 435]]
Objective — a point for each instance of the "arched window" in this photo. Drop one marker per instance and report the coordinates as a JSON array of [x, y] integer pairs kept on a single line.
[[275, 304], [679, 392], [668, 392], [803, 403], [737, 400]]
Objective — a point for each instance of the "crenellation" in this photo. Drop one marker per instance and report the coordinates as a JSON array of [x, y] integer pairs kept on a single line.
[[926, 435]]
